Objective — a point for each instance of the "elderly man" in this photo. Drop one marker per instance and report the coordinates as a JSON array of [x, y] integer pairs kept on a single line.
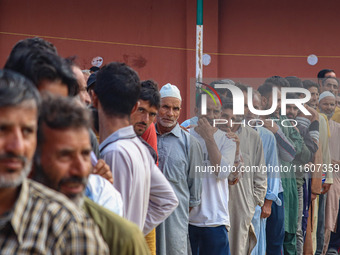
[[327, 107], [179, 154], [62, 162], [148, 198], [33, 218]]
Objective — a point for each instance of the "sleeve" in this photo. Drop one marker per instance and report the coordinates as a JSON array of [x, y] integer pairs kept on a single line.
[[122, 178], [285, 148], [228, 151], [104, 194], [260, 177], [272, 162], [163, 200], [194, 179]]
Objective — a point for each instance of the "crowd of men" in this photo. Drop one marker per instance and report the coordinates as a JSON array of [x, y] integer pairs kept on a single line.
[[97, 163]]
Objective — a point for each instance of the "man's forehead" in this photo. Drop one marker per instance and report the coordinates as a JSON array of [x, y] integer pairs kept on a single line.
[[170, 101], [327, 100], [332, 81], [27, 105]]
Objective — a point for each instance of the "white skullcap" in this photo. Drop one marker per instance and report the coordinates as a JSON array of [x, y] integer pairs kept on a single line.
[[169, 90], [325, 94]]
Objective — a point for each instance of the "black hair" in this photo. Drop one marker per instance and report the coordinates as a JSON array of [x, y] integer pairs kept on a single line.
[[265, 89], [94, 69], [62, 113], [39, 65], [16, 89], [149, 92], [277, 81], [117, 88], [227, 103], [323, 72], [294, 82], [308, 84], [221, 91]]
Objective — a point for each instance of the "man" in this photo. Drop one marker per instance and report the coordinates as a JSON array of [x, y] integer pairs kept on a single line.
[[287, 177], [179, 154], [252, 185], [314, 91], [62, 162], [272, 199], [327, 107], [148, 198], [149, 102], [308, 127], [325, 73], [209, 221], [37, 60], [33, 218], [329, 82]]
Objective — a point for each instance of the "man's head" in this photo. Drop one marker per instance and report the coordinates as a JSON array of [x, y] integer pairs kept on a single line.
[[213, 108], [327, 104], [46, 70], [277, 81], [83, 95], [222, 91], [149, 103], [291, 109], [170, 107], [313, 88], [330, 84], [338, 100], [62, 159], [227, 114], [326, 73], [19, 103], [117, 90], [266, 91], [256, 104]]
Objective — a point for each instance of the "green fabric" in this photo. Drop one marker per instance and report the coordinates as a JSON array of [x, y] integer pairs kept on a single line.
[[300, 160], [290, 195], [122, 236], [289, 244]]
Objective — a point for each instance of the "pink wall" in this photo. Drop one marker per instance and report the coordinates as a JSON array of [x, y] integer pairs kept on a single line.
[[104, 28]]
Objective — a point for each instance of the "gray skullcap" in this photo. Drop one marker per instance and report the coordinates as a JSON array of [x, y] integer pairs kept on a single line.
[[325, 94], [169, 90]]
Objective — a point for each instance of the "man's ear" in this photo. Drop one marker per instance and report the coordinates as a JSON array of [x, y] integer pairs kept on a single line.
[[135, 107], [94, 99]]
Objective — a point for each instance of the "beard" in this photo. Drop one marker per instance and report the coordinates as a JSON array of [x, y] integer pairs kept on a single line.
[[12, 180], [41, 177]]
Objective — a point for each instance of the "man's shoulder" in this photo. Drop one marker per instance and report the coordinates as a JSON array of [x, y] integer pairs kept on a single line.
[[54, 202], [115, 229]]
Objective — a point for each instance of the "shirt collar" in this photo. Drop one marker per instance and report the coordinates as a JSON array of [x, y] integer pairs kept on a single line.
[[122, 133], [176, 131]]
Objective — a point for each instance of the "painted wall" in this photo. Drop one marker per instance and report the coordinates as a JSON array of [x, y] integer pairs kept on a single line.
[[245, 38]]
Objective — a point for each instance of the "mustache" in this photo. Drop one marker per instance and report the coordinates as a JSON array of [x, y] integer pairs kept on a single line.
[[73, 179], [13, 156], [142, 123]]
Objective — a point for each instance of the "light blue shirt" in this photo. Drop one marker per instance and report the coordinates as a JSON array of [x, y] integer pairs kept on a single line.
[[102, 192]]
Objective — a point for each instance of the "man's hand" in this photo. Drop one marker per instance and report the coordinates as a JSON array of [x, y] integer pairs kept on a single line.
[[103, 170], [204, 129], [325, 188], [313, 196], [266, 208], [313, 117], [236, 139]]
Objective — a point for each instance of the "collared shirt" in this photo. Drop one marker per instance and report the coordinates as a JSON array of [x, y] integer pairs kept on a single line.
[[148, 198], [179, 154], [104, 193], [46, 222], [213, 210]]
